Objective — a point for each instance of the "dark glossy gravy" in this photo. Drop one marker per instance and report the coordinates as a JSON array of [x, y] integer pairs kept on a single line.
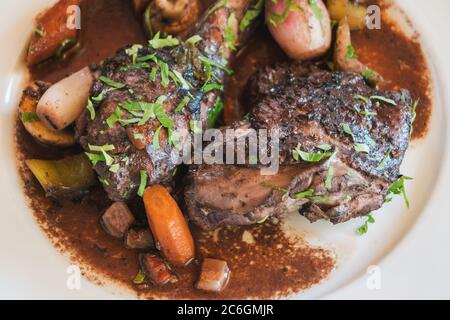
[[274, 264]]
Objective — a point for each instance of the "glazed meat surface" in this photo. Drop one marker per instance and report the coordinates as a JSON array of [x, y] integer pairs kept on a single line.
[[362, 134], [145, 93]]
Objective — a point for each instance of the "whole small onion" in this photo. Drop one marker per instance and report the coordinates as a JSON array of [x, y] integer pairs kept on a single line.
[[300, 27]]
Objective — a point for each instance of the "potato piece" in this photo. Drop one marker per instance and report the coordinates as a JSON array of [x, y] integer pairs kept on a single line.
[[337, 9], [51, 33], [32, 123], [301, 28], [214, 275], [64, 101], [356, 16], [66, 177]]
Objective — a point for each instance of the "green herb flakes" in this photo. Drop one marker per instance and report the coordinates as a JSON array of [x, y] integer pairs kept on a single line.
[[143, 183]]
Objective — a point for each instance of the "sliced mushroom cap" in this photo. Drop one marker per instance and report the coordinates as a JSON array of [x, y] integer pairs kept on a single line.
[[65, 100], [171, 16]]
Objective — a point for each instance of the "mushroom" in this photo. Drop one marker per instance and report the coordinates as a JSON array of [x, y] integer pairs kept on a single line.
[[65, 100], [171, 16], [346, 60]]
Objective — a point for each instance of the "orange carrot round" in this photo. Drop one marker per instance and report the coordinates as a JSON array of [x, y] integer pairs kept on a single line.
[[168, 225]]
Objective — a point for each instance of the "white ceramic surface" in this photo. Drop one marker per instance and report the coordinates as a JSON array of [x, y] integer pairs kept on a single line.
[[408, 246]]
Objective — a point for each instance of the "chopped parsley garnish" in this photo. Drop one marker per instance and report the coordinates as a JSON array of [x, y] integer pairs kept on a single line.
[[101, 95], [230, 35], [178, 79], [162, 117], [329, 177], [135, 66], [350, 54], [143, 183], [90, 107], [362, 98], [251, 14], [114, 117], [348, 130], [95, 157], [384, 161], [215, 64], [114, 168], [158, 43], [368, 74], [182, 104], [104, 149], [364, 112], [164, 73], [139, 278], [147, 57], [304, 194], [194, 39], [64, 46], [138, 136], [214, 112], [310, 156], [40, 31], [103, 181], [111, 83], [152, 75], [273, 187], [398, 187], [133, 52], [155, 141], [361, 147], [365, 227], [383, 99], [212, 86], [29, 117]]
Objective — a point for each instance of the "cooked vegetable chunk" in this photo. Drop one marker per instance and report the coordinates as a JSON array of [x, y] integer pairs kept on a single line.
[[117, 219], [156, 269], [139, 239], [52, 35], [214, 275], [356, 14], [66, 177], [301, 27], [168, 226], [65, 100], [32, 123]]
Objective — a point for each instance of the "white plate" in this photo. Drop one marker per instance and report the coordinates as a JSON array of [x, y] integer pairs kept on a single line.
[[409, 247]]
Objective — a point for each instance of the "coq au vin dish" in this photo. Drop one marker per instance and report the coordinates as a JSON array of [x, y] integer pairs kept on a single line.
[[164, 143]]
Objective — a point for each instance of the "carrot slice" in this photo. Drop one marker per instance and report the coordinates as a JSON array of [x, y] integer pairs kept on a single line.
[[168, 226]]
